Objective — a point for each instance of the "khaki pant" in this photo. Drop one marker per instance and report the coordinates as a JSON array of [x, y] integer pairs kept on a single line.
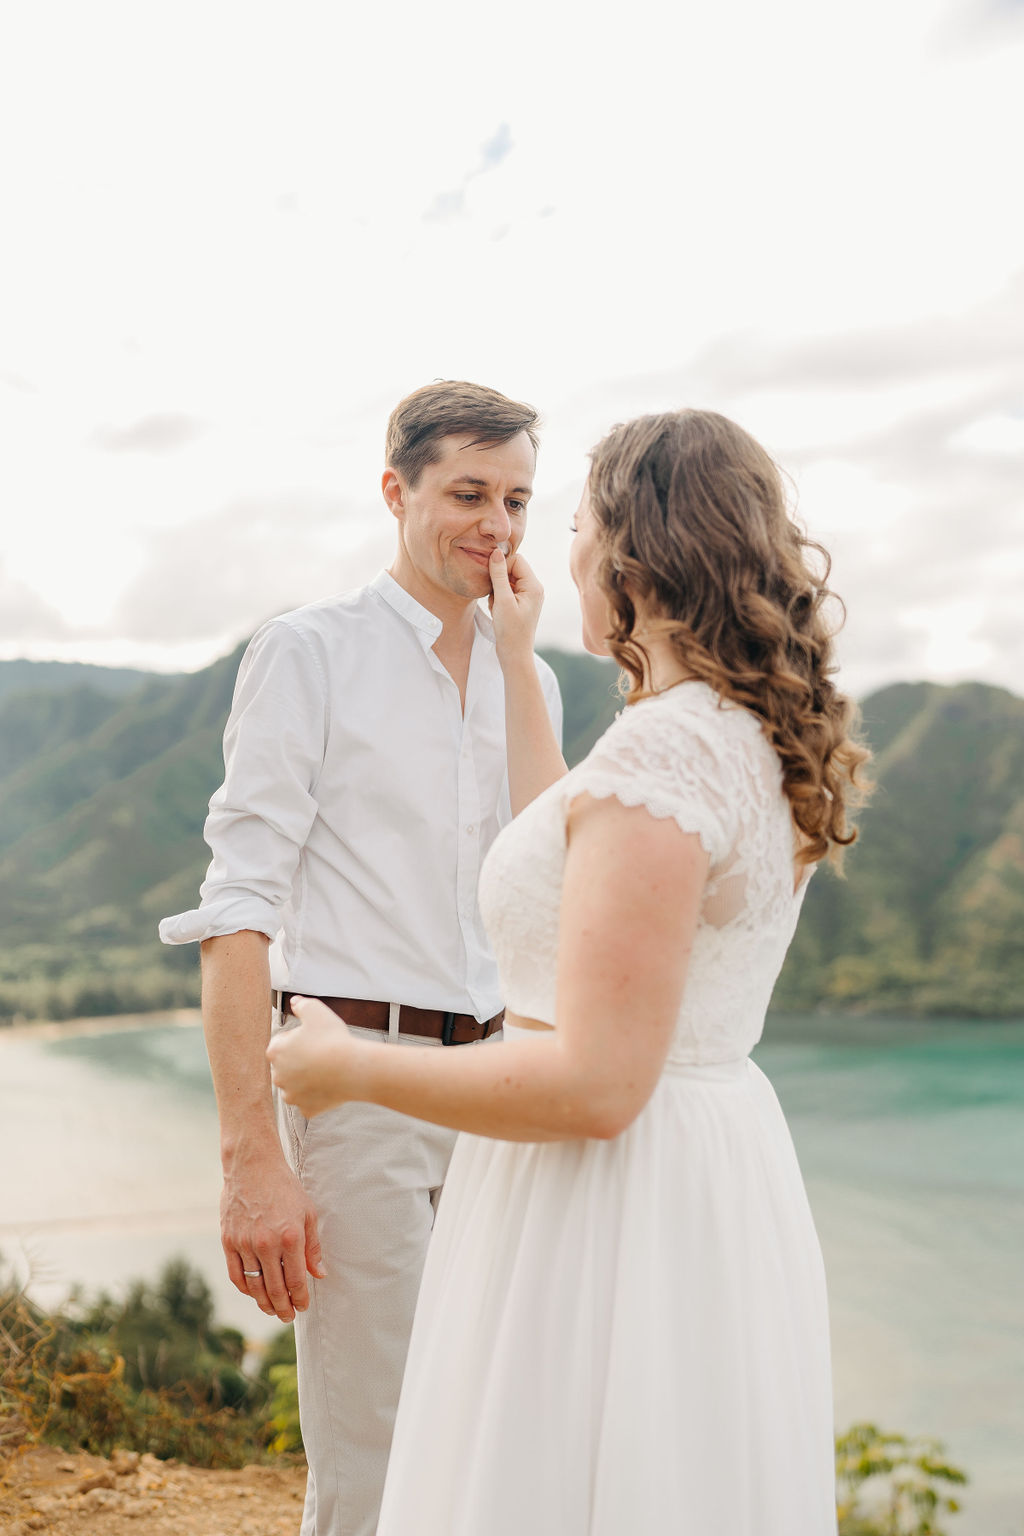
[[374, 1177]]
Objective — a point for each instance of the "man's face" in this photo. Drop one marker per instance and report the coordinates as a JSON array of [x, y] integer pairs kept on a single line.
[[472, 500]]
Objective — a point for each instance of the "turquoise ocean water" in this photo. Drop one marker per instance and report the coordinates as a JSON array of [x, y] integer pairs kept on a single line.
[[911, 1138]]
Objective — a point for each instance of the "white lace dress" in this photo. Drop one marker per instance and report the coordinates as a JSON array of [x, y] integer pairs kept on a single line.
[[630, 1337]]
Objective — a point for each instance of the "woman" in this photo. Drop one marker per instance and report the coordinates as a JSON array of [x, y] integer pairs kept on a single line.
[[622, 1329]]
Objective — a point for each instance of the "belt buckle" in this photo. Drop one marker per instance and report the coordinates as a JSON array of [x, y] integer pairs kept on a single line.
[[447, 1028]]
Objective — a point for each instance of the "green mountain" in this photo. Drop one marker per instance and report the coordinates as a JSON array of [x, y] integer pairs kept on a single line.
[[590, 699], [23, 676], [103, 794], [37, 723], [931, 916], [100, 835]]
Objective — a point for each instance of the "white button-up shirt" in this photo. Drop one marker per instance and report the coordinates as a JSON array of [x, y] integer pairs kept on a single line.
[[358, 803]]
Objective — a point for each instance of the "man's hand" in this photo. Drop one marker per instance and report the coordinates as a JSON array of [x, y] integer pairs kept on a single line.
[[515, 603], [315, 1066], [269, 1225]]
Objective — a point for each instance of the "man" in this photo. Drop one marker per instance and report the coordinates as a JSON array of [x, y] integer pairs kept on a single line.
[[365, 778]]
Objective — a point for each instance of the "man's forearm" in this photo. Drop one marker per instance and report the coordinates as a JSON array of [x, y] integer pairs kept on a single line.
[[268, 1226], [534, 757], [236, 1021]]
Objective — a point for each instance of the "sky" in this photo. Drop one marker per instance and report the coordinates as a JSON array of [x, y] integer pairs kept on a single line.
[[235, 235]]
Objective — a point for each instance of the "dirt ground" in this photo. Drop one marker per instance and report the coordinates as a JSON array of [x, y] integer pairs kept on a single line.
[[66, 1493]]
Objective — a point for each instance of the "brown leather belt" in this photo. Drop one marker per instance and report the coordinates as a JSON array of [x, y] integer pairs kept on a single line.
[[434, 1023]]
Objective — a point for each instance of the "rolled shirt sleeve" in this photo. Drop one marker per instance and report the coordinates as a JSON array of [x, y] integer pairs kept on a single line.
[[261, 816]]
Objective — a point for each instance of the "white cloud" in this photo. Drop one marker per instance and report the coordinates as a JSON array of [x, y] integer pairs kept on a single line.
[[454, 203], [447, 205], [218, 578], [498, 147], [161, 433], [806, 221], [25, 615]]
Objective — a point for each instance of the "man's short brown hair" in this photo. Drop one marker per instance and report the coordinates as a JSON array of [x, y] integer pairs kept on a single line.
[[451, 408]]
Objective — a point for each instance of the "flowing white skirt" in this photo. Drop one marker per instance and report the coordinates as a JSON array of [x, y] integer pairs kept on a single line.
[[623, 1338]]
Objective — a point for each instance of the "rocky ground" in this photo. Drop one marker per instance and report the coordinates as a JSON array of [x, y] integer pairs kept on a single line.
[[66, 1493]]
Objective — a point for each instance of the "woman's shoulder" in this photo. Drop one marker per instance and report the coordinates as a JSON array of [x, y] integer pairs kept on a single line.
[[690, 717], [671, 752]]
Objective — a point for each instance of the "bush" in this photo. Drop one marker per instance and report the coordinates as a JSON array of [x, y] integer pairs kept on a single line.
[[167, 1336], [150, 1374], [284, 1409], [278, 1370], [889, 1485]]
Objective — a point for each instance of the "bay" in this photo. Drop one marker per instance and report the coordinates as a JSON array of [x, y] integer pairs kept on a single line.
[[910, 1135]]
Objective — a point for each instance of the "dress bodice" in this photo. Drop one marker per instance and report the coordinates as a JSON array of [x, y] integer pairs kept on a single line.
[[706, 763]]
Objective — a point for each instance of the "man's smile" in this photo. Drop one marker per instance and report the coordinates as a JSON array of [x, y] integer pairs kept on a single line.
[[482, 556]]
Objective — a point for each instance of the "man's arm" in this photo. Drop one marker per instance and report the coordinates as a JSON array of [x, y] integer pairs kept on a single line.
[[267, 1221], [259, 820], [535, 758], [534, 754]]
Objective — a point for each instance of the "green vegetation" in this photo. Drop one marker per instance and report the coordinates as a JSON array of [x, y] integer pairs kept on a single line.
[[103, 796], [156, 1373], [153, 1372], [888, 1485], [23, 676], [284, 1409], [930, 918], [590, 699], [101, 836]]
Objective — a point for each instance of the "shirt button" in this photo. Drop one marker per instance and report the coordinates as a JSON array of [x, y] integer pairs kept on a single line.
[[471, 829]]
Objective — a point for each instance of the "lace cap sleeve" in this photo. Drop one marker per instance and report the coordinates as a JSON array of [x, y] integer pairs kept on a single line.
[[672, 760]]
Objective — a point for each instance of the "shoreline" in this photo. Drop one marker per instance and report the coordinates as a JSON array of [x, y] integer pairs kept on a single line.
[[781, 1025], [101, 1024]]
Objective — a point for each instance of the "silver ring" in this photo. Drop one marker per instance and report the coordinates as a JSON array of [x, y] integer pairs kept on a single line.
[[253, 1274]]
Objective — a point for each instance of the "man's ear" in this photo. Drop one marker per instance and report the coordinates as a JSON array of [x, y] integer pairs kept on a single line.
[[394, 493]]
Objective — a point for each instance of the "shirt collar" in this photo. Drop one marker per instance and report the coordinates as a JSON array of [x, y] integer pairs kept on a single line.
[[484, 624], [406, 606]]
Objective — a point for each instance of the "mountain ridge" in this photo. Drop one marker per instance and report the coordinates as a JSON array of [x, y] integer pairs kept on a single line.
[[103, 796], [20, 675]]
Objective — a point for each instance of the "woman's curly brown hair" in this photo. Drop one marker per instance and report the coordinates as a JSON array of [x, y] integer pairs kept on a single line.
[[694, 527]]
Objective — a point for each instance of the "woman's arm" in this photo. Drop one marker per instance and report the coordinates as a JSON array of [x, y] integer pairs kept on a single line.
[[629, 911], [534, 757]]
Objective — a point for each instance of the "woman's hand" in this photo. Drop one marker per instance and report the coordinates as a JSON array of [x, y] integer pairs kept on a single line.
[[515, 603], [317, 1065]]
